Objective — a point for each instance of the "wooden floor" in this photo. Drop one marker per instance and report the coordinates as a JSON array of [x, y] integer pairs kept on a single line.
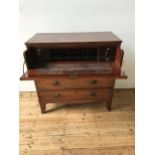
[[84, 129]]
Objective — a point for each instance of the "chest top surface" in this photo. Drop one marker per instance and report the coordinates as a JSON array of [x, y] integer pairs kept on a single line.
[[73, 38]]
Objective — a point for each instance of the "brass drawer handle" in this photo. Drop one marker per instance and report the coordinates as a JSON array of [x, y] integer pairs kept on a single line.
[[93, 93], [56, 83], [57, 95], [93, 82]]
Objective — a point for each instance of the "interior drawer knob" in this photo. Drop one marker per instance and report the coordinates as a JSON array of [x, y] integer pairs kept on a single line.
[[57, 95], [93, 82], [93, 93], [56, 83]]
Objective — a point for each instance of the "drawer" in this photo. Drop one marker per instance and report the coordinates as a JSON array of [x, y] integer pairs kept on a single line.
[[80, 82], [75, 96]]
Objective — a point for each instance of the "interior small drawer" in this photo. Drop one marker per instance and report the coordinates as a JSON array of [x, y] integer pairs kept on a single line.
[[80, 82], [75, 95]]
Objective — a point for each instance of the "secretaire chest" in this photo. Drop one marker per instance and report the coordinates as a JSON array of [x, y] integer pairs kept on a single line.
[[73, 67]]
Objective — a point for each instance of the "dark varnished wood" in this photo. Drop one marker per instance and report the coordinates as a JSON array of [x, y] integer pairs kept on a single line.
[[86, 79], [108, 104], [26, 76], [67, 82], [72, 39], [41, 100], [75, 95]]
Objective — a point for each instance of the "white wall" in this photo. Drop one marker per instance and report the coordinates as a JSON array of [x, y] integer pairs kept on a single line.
[[80, 16]]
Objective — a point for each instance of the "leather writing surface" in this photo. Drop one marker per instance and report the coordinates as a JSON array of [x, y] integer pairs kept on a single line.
[[75, 68]]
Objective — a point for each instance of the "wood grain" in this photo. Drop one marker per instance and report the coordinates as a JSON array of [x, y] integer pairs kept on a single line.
[[76, 95], [81, 129], [67, 82], [62, 39]]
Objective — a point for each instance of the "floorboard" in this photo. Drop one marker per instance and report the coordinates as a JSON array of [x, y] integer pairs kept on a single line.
[[82, 129]]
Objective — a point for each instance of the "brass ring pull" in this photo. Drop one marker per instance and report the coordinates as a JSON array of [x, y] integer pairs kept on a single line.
[[93, 82], [57, 95], [56, 83], [93, 93]]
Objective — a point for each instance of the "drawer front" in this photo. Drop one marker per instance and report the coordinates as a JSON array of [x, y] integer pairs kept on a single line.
[[75, 96], [82, 82]]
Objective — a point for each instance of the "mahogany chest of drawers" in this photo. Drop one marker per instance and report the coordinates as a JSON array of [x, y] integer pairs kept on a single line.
[[70, 68]]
